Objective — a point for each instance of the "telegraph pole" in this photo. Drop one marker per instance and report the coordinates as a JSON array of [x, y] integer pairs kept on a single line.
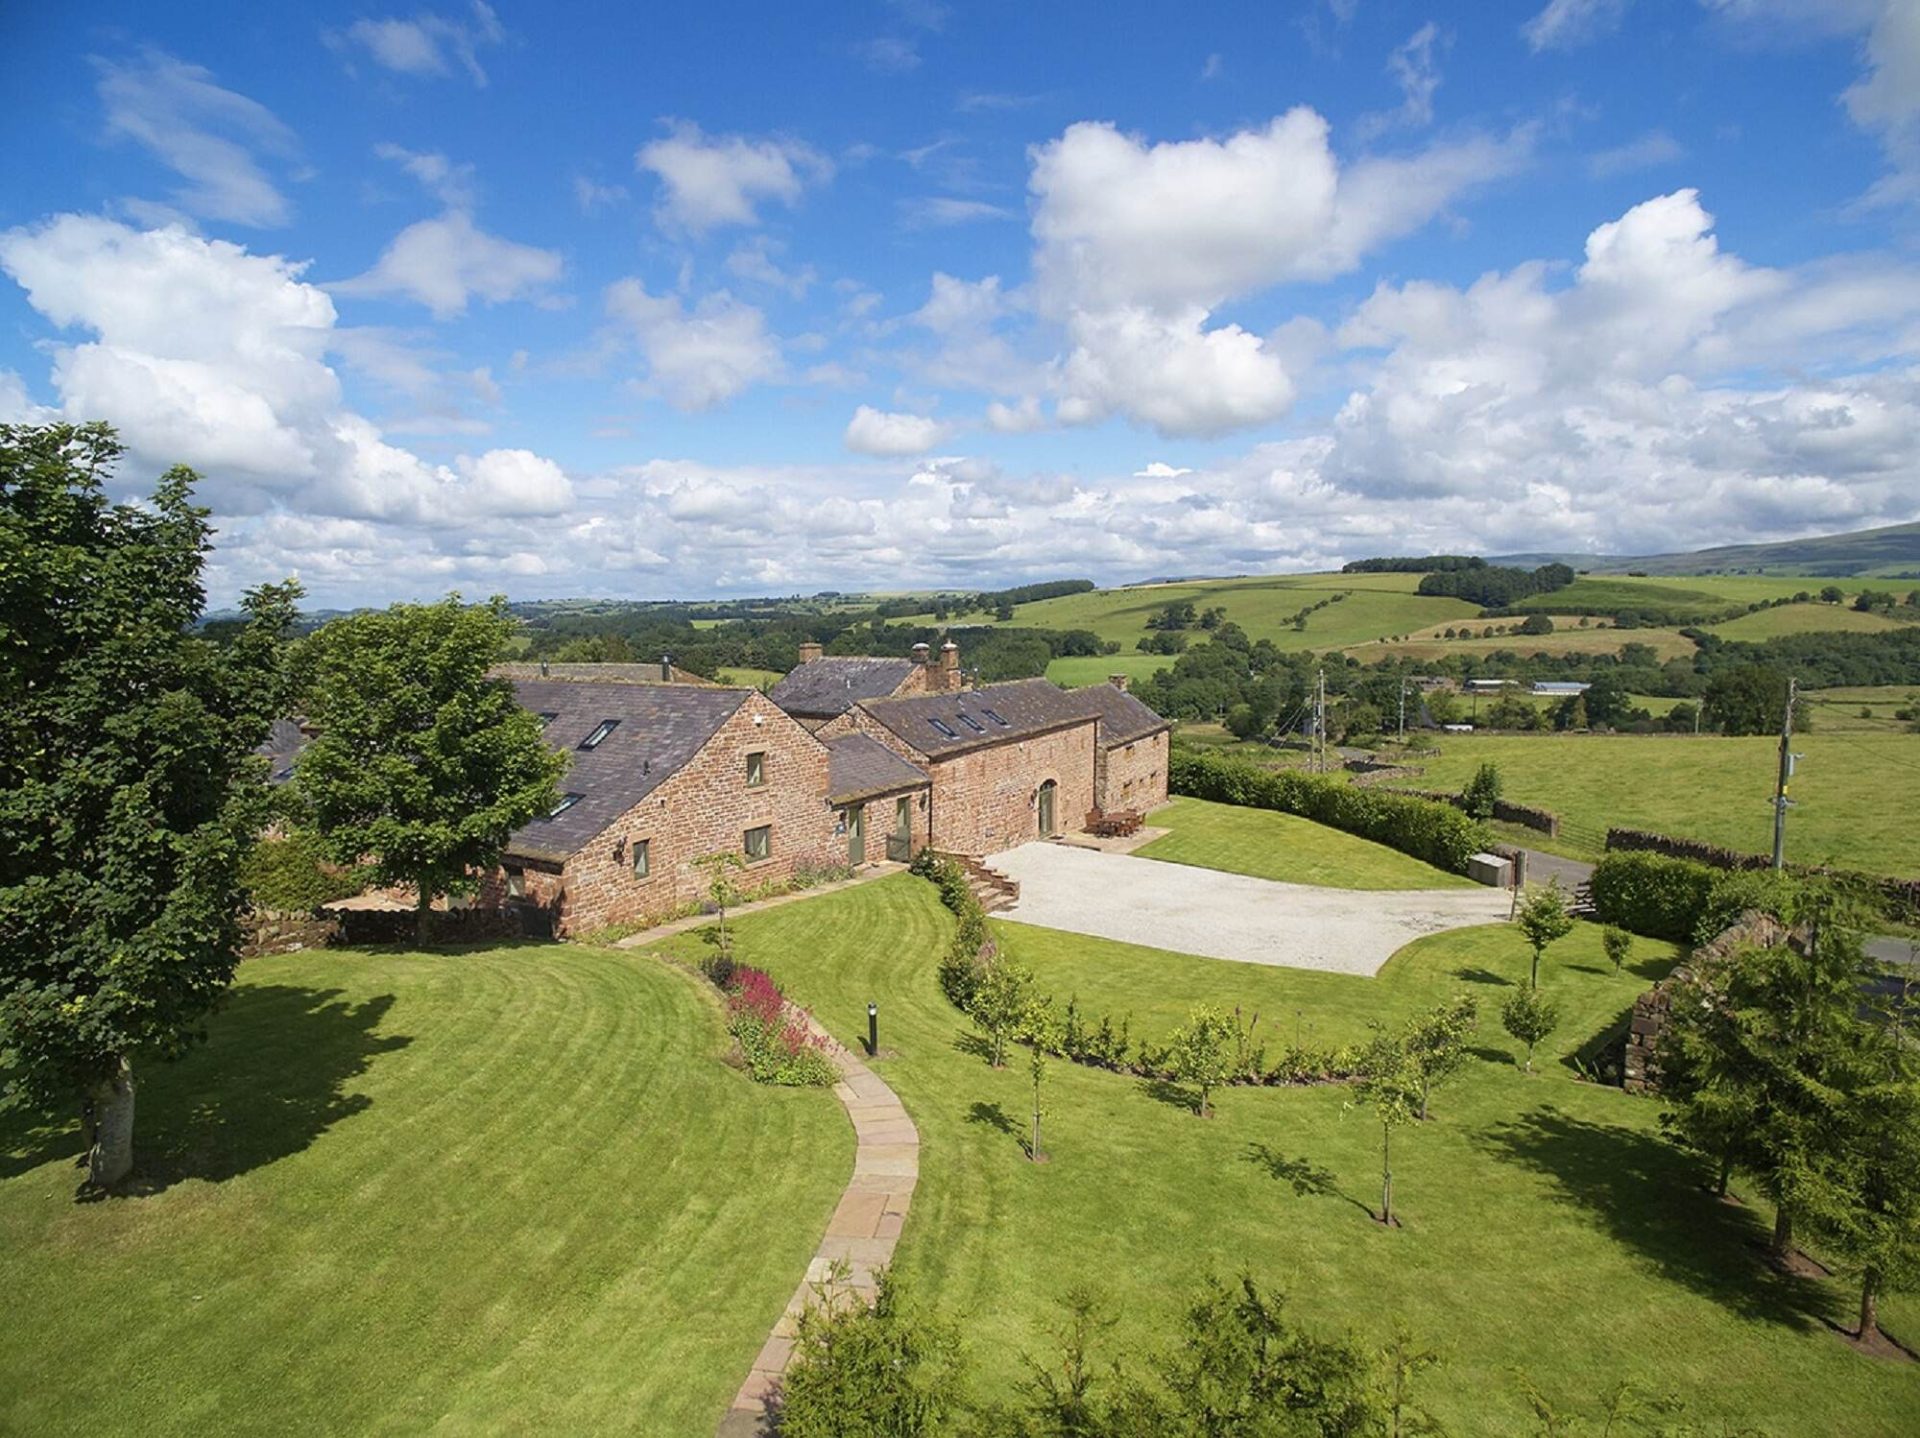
[[1780, 800], [1403, 709], [1320, 722]]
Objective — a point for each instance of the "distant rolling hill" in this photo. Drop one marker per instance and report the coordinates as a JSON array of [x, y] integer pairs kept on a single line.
[[1893, 551]]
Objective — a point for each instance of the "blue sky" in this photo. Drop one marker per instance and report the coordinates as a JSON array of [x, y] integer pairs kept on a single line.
[[679, 300]]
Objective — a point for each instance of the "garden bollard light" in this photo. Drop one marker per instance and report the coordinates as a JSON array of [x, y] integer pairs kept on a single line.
[[873, 1030]]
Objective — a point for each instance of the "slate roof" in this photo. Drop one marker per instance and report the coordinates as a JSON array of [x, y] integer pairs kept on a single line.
[[860, 766], [599, 673], [1123, 718], [282, 749], [1024, 708], [823, 688], [661, 727]]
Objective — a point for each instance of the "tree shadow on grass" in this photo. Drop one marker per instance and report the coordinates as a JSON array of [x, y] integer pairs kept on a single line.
[[974, 1045], [1646, 1195], [270, 1081], [1491, 1055], [1481, 976], [1171, 1094], [1306, 1178]]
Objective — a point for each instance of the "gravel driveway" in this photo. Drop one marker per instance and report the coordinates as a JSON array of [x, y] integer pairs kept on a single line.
[[1231, 916]]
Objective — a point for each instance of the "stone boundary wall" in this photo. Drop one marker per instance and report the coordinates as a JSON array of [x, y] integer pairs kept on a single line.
[[273, 931], [1544, 820], [1640, 1065], [1902, 896]]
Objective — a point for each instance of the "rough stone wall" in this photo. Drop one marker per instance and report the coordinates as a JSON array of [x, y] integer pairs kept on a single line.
[[1132, 776], [1640, 1068], [705, 808], [985, 800]]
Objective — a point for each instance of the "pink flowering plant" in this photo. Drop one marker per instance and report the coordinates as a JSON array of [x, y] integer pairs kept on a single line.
[[773, 1035]]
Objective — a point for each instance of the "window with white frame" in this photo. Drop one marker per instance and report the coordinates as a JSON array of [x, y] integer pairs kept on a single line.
[[759, 842], [640, 851], [756, 769]]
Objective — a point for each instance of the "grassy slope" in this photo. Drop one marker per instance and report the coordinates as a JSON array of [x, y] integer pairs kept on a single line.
[[1547, 1227], [1566, 639], [1375, 605], [1765, 624], [1854, 793], [752, 678], [1284, 847], [509, 1190]]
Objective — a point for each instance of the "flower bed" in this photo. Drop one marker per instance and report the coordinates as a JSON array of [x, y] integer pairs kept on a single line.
[[772, 1033]]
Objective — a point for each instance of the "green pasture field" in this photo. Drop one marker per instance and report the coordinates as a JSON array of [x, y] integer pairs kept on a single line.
[[1765, 624], [1855, 794], [1081, 670]]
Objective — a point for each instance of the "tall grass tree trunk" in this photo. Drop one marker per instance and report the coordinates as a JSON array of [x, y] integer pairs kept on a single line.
[[423, 917], [110, 1143], [1726, 1173], [1386, 1174], [1869, 1305], [1781, 1245]]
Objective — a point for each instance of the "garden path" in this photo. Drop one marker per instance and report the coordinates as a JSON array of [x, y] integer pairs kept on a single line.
[[862, 1232]]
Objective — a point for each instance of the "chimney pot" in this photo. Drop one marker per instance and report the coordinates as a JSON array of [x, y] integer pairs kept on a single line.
[[666, 669], [1118, 681]]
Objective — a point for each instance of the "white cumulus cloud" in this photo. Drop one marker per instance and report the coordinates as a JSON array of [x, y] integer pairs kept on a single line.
[[701, 357], [879, 432], [446, 261], [712, 180]]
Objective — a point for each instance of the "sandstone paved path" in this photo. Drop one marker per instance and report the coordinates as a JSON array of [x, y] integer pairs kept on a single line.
[[1218, 915], [863, 1229]]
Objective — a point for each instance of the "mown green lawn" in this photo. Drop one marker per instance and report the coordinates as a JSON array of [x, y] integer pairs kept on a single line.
[[1081, 670], [504, 1191], [1547, 1226], [1855, 794], [1284, 847]]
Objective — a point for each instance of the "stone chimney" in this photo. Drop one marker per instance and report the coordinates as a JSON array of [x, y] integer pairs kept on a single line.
[[949, 667], [921, 654], [809, 651], [1118, 681]]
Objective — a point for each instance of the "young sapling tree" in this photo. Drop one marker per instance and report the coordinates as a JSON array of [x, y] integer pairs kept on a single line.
[[1529, 1016], [1544, 919], [1202, 1052]]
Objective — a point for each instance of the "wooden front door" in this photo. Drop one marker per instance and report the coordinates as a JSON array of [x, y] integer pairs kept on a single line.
[[1046, 809], [900, 841], [856, 833]]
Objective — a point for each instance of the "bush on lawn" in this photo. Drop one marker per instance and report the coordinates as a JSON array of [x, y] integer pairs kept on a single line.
[[1652, 895], [965, 962], [1434, 833], [773, 1037]]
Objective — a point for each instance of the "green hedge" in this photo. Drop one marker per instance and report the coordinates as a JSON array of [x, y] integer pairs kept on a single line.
[[1436, 833], [1651, 894]]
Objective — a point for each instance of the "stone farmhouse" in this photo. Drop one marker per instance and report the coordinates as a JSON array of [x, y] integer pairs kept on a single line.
[[846, 761]]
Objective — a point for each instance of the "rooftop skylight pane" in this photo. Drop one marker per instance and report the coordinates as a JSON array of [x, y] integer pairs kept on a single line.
[[604, 728], [567, 801], [994, 715], [973, 723], [944, 728]]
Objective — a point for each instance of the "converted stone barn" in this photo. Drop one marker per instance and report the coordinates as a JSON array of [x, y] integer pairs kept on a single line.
[[1009, 763], [662, 773]]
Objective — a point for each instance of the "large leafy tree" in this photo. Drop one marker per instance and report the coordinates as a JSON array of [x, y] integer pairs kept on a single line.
[[129, 793], [423, 765]]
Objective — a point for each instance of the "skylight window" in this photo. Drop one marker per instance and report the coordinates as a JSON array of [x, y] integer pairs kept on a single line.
[[546, 717], [994, 715], [973, 723], [567, 801], [599, 734], [945, 728]]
